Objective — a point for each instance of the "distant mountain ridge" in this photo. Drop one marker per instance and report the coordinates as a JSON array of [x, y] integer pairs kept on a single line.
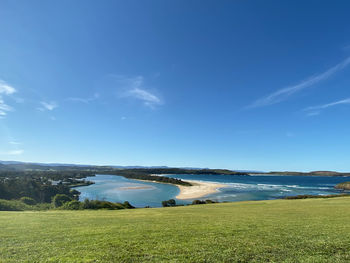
[[33, 165], [20, 166], [313, 173]]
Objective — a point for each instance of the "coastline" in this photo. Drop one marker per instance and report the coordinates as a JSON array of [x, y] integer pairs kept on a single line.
[[198, 189]]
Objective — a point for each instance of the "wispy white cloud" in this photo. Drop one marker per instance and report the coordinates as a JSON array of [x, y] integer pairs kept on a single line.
[[5, 90], [148, 98], [316, 110], [84, 100], [324, 106], [13, 152], [50, 106], [4, 107], [134, 88], [14, 143], [283, 94], [313, 113]]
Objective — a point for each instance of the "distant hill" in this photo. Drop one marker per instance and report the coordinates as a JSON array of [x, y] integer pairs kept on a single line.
[[16, 165], [325, 173], [27, 167], [314, 173], [24, 166]]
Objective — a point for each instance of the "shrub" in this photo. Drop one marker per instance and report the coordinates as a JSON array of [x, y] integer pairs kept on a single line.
[[60, 199], [198, 202], [314, 196], [97, 204], [168, 203], [72, 205], [202, 202], [12, 205], [127, 205], [27, 200]]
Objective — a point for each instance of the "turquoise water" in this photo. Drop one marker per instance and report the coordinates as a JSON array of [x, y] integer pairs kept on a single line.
[[117, 189], [239, 188]]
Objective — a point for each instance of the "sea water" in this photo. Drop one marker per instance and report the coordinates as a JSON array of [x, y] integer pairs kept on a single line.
[[238, 188]]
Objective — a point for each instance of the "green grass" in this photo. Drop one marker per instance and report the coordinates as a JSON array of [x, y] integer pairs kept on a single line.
[[310, 230]]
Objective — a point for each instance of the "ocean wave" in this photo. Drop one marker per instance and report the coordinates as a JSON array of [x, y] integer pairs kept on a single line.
[[287, 187]]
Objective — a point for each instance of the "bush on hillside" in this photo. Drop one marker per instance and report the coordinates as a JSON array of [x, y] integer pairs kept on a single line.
[[12, 205], [59, 199], [314, 196], [168, 203], [97, 204], [72, 205], [27, 200], [127, 205], [202, 202]]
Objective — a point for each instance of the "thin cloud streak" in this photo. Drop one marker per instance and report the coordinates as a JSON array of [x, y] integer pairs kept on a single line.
[[316, 110], [50, 106], [314, 113], [14, 143], [84, 100], [13, 152], [324, 106], [148, 98], [285, 93], [134, 88]]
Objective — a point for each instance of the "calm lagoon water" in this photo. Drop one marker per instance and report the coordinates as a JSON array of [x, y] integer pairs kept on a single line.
[[119, 189], [239, 188]]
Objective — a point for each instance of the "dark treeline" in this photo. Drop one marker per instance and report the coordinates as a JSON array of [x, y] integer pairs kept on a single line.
[[182, 171], [39, 189], [62, 201], [315, 173], [140, 175], [54, 175], [314, 196], [39, 185], [172, 202]]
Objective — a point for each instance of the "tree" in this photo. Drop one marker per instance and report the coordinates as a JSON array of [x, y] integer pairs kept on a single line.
[[170, 202], [127, 205], [27, 200], [73, 205], [60, 199]]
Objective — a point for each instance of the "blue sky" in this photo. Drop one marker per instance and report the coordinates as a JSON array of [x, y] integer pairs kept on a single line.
[[260, 85]]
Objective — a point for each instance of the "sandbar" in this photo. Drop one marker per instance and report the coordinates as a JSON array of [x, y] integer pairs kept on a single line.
[[198, 189]]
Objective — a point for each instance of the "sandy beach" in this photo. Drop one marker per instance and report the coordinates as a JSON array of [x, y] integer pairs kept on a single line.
[[199, 189]]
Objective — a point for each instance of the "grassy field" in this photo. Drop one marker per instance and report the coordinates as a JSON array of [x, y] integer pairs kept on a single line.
[[311, 230]]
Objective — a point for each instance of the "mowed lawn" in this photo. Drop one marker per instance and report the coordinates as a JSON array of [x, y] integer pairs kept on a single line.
[[312, 230]]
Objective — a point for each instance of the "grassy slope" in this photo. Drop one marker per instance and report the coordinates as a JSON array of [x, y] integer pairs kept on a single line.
[[311, 230]]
